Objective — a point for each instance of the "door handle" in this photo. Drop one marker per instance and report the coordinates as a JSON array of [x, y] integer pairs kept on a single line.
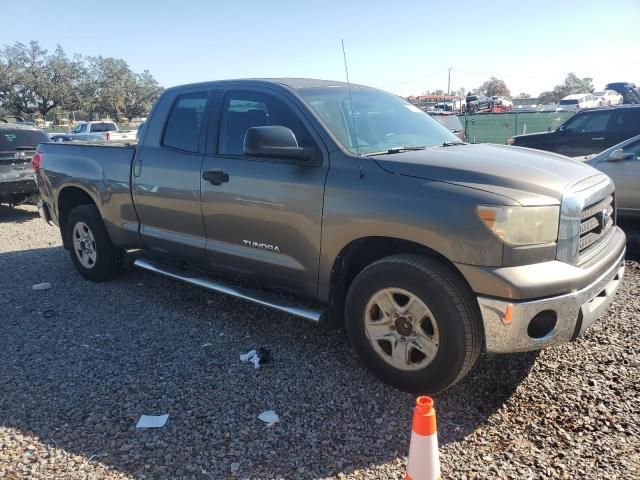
[[137, 167], [598, 138], [215, 176]]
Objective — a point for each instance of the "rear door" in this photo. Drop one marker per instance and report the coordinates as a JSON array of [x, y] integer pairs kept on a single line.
[[625, 123], [265, 219], [166, 176], [585, 134]]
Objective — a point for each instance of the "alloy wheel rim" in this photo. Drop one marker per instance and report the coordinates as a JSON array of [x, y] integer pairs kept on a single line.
[[401, 329], [84, 245]]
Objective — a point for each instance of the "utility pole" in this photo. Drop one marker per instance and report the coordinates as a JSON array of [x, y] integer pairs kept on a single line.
[[449, 83]]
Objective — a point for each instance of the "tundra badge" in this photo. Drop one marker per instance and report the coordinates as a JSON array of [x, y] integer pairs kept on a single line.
[[264, 246]]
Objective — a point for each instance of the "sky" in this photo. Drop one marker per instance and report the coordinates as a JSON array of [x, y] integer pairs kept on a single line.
[[405, 47]]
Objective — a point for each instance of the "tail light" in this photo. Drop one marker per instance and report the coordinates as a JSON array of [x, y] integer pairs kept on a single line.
[[107, 136], [36, 161]]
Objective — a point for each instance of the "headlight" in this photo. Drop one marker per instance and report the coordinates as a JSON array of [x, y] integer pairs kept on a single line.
[[511, 141], [522, 225]]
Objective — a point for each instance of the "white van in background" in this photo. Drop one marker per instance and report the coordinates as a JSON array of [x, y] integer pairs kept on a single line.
[[576, 102]]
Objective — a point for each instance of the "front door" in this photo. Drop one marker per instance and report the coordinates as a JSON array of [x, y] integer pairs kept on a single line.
[[166, 178], [263, 216], [626, 176], [585, 134]]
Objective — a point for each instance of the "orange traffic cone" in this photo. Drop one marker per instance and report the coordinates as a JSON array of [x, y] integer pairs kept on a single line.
[[424, 459]]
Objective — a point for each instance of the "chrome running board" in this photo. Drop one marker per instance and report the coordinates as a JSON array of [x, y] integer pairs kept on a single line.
[[244, 294]]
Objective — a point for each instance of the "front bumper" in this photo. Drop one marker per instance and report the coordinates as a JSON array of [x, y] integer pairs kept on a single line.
[[574, 313]]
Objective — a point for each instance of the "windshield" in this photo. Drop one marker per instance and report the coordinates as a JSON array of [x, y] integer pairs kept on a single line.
[[568, 102], [81, 127], [12, 139], [381, 121]]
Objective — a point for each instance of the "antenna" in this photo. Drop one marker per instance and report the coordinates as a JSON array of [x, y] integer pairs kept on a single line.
[[353, 120]]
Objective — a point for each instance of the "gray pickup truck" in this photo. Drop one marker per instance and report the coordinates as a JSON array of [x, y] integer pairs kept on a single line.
[[428, 250]]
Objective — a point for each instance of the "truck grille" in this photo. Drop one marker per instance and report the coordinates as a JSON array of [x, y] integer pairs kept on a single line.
[[595, 222]]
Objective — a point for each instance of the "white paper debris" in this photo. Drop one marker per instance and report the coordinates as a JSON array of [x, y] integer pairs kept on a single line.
[[269, 417], [42, 286], [205, 345], [251, 356], [152, 421]]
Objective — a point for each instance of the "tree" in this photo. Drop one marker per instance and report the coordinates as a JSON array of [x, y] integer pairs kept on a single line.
[[105, 85], [523, 95], [113, 89], [494, 87], [38, 82], [142, 90], [572, 84]]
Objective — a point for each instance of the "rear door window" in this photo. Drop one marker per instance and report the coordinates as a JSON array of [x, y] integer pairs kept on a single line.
[[626, 120], [184, 124]]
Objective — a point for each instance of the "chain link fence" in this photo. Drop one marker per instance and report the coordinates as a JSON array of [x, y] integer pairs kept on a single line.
[[499, 127]]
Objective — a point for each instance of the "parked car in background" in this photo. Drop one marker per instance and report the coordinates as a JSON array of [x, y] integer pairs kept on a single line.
[[608, 98], [427, 249], [451, 121], [479, 103], [107, 128], [18, 143], [628, 90], [622, 163], [576, 102], [587, 132]]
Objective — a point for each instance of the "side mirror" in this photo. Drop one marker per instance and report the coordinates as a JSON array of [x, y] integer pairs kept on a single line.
[[562, 129], [274, 141], [619, 155]]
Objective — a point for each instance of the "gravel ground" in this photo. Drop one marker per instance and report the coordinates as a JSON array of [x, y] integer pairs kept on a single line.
[[79, 364]]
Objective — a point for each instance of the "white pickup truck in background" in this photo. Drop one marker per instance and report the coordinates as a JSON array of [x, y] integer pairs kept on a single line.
[[108, 128]]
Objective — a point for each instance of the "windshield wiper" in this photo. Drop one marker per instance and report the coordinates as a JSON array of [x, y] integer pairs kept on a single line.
[[452, 144], [391, 151]]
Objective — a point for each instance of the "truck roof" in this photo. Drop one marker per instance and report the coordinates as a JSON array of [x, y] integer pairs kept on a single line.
[[292, 83]]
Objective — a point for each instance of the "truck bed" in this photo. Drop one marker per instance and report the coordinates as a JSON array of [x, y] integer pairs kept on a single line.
[[100, 169]]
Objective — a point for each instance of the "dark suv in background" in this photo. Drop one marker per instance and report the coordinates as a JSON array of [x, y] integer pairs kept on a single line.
[[588, 131], [479, 103], [18, 143]]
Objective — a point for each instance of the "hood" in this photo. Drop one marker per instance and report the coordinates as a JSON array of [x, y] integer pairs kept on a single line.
[[527, 136], [530, 177]]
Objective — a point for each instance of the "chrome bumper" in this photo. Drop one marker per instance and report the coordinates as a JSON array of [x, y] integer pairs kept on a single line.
[[576, 311]]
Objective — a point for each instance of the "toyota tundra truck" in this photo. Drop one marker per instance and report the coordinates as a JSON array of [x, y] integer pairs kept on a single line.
[[426, 249]]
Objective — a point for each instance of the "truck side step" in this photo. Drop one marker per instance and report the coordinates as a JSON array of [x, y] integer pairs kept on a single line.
[[244, 294]]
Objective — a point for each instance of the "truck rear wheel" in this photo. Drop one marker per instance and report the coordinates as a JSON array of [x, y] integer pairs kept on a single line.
[[413, 323], [91, 250]]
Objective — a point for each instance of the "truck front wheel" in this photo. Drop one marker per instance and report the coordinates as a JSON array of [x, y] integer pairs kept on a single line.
[[91, 250], [413, 323]]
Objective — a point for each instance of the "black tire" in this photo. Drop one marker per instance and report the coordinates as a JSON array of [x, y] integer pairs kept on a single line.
[[108, 258], [456, 312]]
